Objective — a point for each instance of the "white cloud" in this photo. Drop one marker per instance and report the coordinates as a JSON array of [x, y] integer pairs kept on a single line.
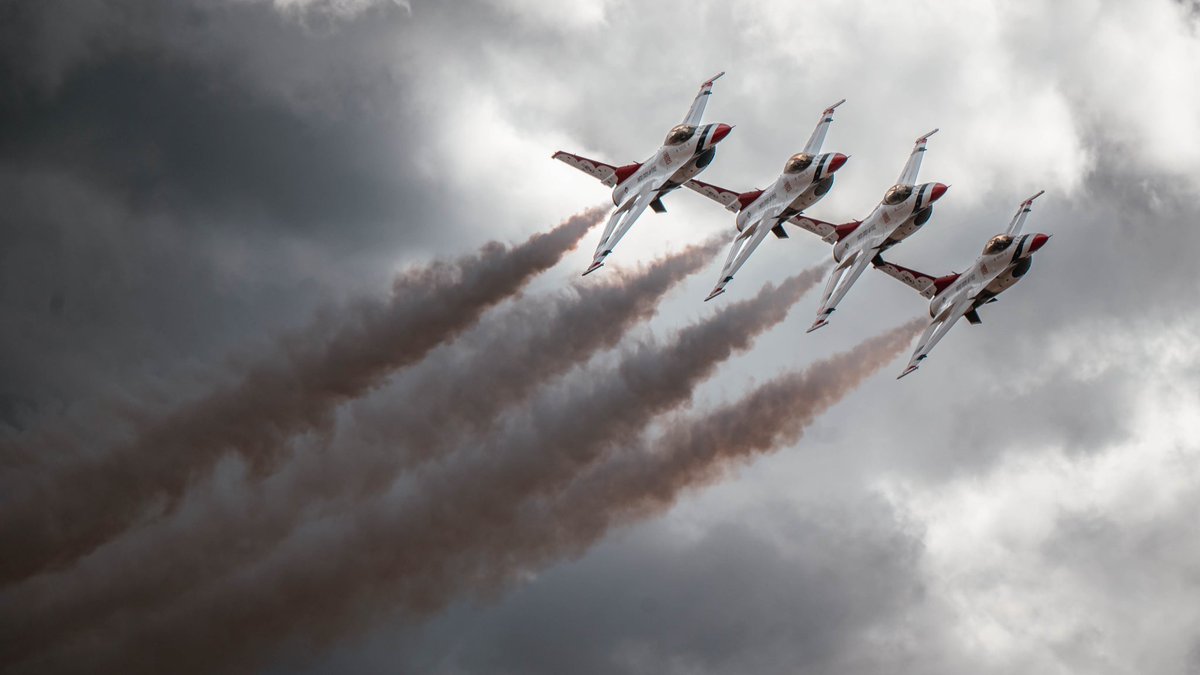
[[1072, 563], [554, 14]]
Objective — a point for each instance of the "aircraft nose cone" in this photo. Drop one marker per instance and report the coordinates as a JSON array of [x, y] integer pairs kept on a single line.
[[836, 162], [1039, 240], [938, 190], [721, 132]]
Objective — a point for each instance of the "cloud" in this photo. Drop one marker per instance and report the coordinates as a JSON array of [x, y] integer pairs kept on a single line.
[[69, 512], [1056, 561], [770, 589], [313, 153]]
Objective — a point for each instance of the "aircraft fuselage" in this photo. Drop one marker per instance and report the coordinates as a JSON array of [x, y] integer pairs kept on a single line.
[[673, 165]]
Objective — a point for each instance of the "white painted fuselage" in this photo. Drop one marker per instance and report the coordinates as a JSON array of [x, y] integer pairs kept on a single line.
[[672, 165], [905, 207]]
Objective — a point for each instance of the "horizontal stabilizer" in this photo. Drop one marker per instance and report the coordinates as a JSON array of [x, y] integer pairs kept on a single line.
[[778, 231], [724, 197], [820, 228], [925, 284], [657, 206], [973, 318], [605, 173], [846, 229]]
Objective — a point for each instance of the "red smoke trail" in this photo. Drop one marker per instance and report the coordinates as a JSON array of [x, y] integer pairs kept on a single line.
[[513, 353], [339, 572], [649, 477], [65, 515]]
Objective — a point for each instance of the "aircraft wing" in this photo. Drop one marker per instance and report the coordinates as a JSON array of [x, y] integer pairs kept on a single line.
[[840, 280], [743, 245], [696, 112], [822, 229], [937, 330], [925, 284], [720, 195], [605, 173], [1014, 227], [619, 223], [911, 168], [818, 135]]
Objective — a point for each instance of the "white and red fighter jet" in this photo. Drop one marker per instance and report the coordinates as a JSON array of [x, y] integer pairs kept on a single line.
[[689, 148], [1005, 259], [807, 176], [905, 208]]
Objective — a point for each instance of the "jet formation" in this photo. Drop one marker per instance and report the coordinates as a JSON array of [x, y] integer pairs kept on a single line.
[[807, 176]]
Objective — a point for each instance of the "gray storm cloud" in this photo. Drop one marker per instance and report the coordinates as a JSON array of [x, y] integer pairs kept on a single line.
[[183, 179], [63, 516], [514, 353], [342, 571]]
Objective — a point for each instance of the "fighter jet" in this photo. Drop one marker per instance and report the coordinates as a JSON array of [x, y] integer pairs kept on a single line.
[[806, 177], [689, 148], [1005, 259], [906, 206]]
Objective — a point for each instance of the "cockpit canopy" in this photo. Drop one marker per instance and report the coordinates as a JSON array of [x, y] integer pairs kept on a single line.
[[897, 194], [680, 134], [798, 162], [997, 244]]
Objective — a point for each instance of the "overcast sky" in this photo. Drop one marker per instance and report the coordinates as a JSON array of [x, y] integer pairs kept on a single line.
[[185, 183]]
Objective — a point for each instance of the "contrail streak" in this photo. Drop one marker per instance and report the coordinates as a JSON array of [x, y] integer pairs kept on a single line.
[[408, 551], [66, 515], [647, 478], [525, 348], [514, 353]]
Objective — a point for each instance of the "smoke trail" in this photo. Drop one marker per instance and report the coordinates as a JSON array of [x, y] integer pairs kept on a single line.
[[69, 513], [650, 476], [516, 352], [334, 575], [528, 346]]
